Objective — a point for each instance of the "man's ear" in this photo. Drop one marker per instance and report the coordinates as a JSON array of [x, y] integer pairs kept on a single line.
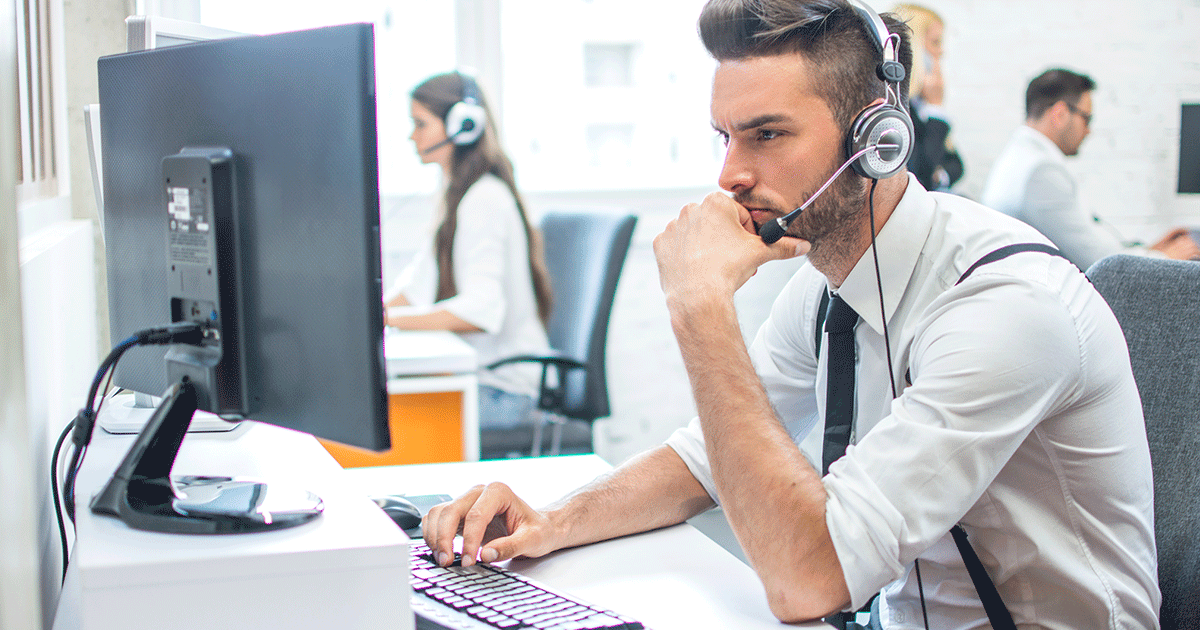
[[1058, 113]]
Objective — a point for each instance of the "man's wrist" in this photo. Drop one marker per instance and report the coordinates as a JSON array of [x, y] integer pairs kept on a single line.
[[698, 308]]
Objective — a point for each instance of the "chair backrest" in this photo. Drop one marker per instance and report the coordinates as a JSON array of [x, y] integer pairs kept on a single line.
[[1157, 303], [585, 253]]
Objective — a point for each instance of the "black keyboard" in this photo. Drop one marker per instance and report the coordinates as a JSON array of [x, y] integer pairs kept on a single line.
[[483, 596]]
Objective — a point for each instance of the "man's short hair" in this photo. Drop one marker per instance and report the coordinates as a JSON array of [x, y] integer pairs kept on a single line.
[[1052, 86], [830, 34]]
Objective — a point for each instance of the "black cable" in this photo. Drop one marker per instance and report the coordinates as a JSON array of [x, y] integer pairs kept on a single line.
[[191, 333], [104, 391], [62, 527], [85, 421], [83, 425], [81, 451], [887, 345]]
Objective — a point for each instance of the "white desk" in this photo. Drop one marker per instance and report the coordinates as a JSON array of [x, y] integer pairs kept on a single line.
[[346, 569], [423, 352], [670, 578]]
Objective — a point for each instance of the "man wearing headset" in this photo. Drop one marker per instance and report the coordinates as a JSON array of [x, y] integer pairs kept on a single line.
[[989, 397]]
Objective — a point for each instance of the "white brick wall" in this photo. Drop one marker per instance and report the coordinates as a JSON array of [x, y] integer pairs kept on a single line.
[[1145, 59]]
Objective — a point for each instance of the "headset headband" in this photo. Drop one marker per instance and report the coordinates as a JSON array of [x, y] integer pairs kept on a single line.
[[470, 91], [889, 70]]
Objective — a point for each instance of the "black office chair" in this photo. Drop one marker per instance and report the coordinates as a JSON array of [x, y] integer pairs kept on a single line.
[[584, 253], [1155, 301]]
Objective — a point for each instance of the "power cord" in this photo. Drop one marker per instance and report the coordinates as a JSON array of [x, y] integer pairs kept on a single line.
[[83, 425]]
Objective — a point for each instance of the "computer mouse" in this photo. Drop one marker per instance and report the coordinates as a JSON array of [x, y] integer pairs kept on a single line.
[[400, 509]]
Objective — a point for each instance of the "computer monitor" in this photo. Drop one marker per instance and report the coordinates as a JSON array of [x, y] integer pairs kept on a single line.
[[142, 32], [241, 190]]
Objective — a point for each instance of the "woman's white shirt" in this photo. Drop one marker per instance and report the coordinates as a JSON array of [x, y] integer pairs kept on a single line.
[[495, 286]]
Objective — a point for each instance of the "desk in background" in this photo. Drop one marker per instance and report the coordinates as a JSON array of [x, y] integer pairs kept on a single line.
[[672, 578], [433, 402]]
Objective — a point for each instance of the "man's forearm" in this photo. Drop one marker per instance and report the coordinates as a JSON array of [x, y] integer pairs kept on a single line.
[[654, 489], [773, 498]]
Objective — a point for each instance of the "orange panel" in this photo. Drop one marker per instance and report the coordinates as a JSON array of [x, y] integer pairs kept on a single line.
[[425, 428]]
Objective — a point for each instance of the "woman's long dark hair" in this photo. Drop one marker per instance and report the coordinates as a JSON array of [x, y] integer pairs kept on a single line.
[[469, 163]]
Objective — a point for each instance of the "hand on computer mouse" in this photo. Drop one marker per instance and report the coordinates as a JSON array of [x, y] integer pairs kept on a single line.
[[400, 509]]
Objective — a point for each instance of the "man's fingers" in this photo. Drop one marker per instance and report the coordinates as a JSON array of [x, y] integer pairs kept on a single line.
[[495, 500], [790, 247], [506, 548], [442, 524]]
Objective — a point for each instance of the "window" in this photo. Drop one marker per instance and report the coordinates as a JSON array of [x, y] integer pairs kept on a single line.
[[37, 169], [589, 94], [610, 145], [412, 42], [608, 65], [606, 95]]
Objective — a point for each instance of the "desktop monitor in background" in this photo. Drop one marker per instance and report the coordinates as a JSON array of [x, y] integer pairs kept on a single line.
[[1189, 149], [241, 190], [145, 32]]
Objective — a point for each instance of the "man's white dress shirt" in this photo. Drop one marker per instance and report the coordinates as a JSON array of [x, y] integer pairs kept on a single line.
[[1022, 421]]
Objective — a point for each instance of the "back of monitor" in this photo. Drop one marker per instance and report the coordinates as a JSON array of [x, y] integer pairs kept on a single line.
[[142, 32]]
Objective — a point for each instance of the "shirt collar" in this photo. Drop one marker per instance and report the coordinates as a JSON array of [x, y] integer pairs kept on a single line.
[[900, 243], [1046, 145]]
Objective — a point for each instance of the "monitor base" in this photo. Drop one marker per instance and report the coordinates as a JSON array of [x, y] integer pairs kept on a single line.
[[143, 494]]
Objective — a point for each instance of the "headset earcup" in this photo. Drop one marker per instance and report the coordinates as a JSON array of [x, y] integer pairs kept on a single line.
[[888, 128], [465, 123]]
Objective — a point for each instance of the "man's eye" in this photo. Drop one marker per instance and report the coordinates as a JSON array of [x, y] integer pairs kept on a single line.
[[767, 134], [724, 137]]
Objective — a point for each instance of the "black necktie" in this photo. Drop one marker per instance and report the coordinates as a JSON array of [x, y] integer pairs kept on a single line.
[[839, 392]]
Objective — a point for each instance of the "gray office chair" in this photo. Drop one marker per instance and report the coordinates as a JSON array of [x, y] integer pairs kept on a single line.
[[584, 253], [1157, 303]]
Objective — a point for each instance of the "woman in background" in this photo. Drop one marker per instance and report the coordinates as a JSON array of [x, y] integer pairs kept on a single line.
[[481, 273], [934, 161]]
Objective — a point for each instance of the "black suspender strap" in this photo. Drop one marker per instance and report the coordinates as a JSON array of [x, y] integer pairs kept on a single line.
[[1009, 250], [997, 612]]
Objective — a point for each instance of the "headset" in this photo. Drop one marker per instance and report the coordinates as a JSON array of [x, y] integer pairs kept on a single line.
[[880, 140], [466, 119]]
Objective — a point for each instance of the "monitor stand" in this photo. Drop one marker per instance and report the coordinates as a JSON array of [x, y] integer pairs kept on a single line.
[[143, 494]]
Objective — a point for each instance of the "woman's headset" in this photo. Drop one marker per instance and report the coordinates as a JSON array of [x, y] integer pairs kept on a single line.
[[466, 119]]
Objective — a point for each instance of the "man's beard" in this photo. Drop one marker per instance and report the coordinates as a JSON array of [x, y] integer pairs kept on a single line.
[[831, 219]]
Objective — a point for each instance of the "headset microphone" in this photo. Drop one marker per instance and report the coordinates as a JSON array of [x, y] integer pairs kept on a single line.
[[438, 145], [774, 230]]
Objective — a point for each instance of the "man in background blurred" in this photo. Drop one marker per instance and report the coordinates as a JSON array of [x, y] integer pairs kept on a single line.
[[1030, 180]]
